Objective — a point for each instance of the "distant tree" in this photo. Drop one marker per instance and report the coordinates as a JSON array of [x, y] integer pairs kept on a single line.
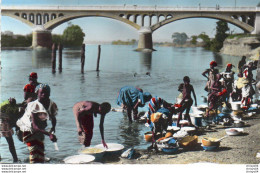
[[194, 39], [73, 36], [16, 40], [57, 39], [258, 5], [206, 40], [221, 34], [179, 38]]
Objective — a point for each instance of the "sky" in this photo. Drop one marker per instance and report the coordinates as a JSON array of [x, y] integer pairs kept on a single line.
[[99, 29]]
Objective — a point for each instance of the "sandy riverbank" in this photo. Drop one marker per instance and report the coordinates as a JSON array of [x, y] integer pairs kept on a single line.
[[233, 149]]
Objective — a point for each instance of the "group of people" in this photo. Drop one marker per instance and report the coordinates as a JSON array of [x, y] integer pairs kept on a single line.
[[221, 87], [29, 118]]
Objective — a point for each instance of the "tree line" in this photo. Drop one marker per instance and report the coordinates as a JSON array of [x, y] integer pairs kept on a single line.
[[72, 36], [214, 44]]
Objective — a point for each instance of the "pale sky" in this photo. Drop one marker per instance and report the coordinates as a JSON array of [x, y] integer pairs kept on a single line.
[[105, 29]]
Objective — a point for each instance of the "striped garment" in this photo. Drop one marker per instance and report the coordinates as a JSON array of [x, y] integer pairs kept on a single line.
[[34, 142], [154, 104]]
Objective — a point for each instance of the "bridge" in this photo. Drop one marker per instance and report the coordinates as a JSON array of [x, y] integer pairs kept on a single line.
[[43, 19]]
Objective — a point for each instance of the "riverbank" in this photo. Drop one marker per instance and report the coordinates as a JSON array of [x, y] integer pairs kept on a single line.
[[233, 149], [16, 48]]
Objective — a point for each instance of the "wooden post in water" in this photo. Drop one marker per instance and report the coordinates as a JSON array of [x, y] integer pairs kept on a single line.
[[53, 55], [98, 58], [82, 57], [60, 47]]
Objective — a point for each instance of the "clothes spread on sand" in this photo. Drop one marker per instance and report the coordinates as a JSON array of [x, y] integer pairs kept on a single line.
[[129, 96]]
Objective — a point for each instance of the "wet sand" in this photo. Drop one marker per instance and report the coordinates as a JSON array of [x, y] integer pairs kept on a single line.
[[240, 149]]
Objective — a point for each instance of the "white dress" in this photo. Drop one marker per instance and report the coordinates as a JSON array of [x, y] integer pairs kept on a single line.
[[25, 122]]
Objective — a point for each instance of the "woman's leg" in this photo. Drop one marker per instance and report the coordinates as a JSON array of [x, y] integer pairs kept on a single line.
[[12, 150], [129, 114]]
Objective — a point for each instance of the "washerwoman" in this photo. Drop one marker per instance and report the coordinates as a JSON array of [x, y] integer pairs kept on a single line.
[[84, 113], [131, 98]]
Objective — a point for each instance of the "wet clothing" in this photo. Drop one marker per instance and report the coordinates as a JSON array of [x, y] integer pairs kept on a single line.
[[87, 122], [129, 96], [34, 142], [25, 122]]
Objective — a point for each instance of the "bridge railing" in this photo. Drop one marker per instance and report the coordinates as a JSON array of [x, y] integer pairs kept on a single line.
[[131, 8]]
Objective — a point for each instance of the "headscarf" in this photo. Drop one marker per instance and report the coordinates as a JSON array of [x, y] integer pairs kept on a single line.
[[29, 88], [147, 96], [33, 75], [213, 63], [45, 87]]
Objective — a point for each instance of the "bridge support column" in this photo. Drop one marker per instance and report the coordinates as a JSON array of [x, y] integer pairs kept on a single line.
[[257, 24], [145, 42], [41, 38]]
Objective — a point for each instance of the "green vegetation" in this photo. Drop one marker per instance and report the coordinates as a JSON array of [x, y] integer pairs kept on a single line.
[[216, 43], [120, 42], [179, 38], [238, 36], [194, 39], [221, 35], [72, 36], [16, 40]]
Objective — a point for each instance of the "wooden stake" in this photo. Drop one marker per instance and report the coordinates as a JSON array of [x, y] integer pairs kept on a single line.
[[82, 57], [98, 58], [53, 60], [60, 47]]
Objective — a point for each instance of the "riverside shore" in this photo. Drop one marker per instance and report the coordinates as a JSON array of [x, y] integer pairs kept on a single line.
[[240, 149]]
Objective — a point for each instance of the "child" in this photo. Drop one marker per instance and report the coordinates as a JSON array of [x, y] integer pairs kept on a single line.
[[186, 101], [84, 112]]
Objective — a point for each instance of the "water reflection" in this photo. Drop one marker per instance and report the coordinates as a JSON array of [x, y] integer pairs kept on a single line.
[[218, 59], [130, 133], [72, 53], [41, 58], [146, 59]]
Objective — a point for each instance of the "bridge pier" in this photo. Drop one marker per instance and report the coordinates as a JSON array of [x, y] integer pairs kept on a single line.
[[145, 42], [41, 38], [257, 24]]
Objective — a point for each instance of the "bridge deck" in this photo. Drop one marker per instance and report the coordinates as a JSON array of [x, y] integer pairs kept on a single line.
[[136, 8]]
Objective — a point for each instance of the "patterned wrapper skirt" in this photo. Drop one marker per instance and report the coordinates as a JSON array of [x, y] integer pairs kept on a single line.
[[5, 128], [34, 142]]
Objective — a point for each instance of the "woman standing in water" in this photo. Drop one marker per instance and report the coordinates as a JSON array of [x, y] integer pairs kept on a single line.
[[131, 98], [9, 114], [34, 122], [186, 101], [210, 74]]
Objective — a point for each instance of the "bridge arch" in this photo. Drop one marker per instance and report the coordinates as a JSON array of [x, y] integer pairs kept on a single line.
[[233, 20], [62, 19]]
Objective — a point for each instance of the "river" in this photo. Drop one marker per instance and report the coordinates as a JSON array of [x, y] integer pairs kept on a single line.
[[118, 64]]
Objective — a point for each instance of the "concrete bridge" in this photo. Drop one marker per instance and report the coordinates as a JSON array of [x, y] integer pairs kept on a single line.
[[42, 19]]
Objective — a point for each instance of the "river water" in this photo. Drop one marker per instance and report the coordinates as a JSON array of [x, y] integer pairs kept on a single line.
[[118, 64]]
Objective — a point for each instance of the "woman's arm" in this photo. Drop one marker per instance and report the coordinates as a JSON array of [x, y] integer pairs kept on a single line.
[[204, 74], [101, 128], [194, 95], [37, 129]]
